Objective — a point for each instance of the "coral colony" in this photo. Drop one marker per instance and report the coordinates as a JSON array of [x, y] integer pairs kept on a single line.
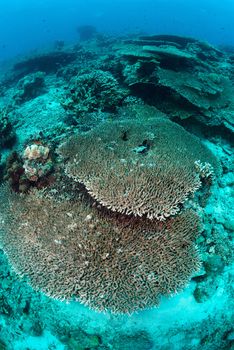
[[117, 183]]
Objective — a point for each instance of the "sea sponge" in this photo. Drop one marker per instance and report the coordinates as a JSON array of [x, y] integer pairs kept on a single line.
[[139, 167], [71, 249]]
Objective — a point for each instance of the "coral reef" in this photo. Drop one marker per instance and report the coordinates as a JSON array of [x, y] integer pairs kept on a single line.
[[29, 87], [93, 91], [71, 250], [44, 62], [33, 168], [37, 161], [181, 76], [144, 167], [7, 134], [14, 173], [159, 76]]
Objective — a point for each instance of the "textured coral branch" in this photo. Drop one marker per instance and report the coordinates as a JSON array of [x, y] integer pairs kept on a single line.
[[108, 261], [142, 167]]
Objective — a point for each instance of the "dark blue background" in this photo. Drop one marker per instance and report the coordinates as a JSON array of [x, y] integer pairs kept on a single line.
[[28, 24]]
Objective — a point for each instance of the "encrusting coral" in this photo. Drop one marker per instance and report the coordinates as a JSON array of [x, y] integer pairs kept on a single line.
[[139, 167], [71, 249]]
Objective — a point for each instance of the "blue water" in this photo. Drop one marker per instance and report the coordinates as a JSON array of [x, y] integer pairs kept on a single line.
[[26, 25]]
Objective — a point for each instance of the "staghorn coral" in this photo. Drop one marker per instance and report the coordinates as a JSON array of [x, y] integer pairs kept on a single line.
[[71, 249], [140, 167]]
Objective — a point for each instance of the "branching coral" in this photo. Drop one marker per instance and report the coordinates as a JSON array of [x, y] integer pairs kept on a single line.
[[93, 91], [71, 247], [143, 167], [110, 262]]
